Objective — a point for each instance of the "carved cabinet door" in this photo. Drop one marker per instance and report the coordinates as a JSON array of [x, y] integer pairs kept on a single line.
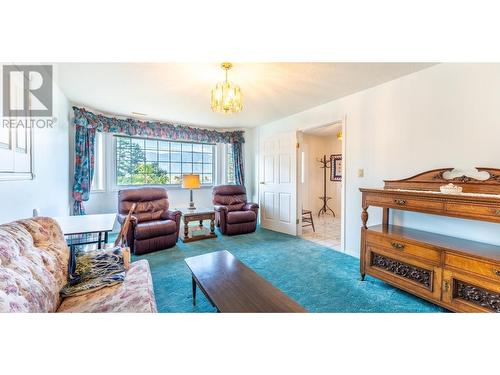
[[408, 273], [467, 293]]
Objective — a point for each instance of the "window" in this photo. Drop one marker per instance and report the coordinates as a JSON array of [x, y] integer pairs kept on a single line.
[[141, 161], [16, 161], [230, 178], [98, 180]]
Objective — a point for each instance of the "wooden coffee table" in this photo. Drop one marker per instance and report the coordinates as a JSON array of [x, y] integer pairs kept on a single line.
[[233, 287], [198, 232]]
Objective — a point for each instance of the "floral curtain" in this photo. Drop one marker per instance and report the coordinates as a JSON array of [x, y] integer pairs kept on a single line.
[[238, 163], [84, 167], [87, 123]]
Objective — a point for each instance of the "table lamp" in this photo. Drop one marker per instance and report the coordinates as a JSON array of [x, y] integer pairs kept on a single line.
[[191, 181]]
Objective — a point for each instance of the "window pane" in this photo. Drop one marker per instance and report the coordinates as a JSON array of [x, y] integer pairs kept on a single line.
[[162, 145], [176, 178], [175, 156], [151, 144], [163, 156], [187, 168], [187, 147], [197, 168], [187, 156], [164, 167], [137, 179], [176, 168], [197, 158], [207, 168], [138, 142], [207, 158], [197, 147], [5, 136], [208, 148], [207, 179], [123, 142], [151, 156], [230, 166], [175, 146]]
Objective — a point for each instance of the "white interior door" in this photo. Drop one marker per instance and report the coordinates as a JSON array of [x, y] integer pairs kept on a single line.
[[277, 178]]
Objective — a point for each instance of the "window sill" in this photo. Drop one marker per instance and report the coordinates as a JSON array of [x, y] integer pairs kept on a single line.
[[8, 176]]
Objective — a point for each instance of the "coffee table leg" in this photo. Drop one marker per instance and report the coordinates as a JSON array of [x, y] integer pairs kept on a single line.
[[186, 228], [212, 226], [194, 290]]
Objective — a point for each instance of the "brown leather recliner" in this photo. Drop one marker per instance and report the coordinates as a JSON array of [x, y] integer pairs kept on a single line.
[[153, 226], [234, 215]]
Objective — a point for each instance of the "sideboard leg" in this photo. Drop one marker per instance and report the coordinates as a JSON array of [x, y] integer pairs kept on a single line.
[[362, 278], [362, 255]]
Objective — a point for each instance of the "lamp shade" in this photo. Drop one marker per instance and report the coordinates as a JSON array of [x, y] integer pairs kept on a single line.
[[191, 181]]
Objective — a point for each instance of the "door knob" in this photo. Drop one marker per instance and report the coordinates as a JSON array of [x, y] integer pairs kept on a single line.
[[262, 183]]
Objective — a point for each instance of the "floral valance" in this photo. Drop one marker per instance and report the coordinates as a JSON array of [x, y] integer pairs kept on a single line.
[[154, 129]]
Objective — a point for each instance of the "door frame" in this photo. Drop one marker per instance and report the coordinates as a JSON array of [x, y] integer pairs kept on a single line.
[[300, 132]]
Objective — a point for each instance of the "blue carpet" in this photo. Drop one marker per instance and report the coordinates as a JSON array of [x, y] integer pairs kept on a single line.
[[319, 278]]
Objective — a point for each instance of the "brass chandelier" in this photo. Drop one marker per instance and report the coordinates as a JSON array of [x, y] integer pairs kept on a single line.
[[226, 96]]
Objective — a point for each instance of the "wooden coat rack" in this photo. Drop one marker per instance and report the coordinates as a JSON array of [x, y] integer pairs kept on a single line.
[[326, 164]]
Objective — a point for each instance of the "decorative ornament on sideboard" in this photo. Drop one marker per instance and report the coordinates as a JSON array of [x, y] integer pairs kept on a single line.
[[226, 96]]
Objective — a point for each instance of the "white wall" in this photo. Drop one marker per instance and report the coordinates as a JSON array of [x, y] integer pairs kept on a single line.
[[48, 191], [444, 116]]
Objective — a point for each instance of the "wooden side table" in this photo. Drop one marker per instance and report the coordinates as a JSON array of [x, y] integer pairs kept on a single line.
[[199, 232]]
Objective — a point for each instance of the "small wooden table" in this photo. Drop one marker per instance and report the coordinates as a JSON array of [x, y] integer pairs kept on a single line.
[[233, 287], [86, 229], [199, 232]]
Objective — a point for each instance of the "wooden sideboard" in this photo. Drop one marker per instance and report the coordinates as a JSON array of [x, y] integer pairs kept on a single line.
[[458, 274]]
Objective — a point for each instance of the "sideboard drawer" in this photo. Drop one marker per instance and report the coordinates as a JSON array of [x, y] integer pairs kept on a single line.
[[419, 277], [403, 247], [463, 292], [473, 209], [404, 203], [476, 266]]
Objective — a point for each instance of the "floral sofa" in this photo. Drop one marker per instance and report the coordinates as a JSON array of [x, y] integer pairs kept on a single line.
[[34, 268]]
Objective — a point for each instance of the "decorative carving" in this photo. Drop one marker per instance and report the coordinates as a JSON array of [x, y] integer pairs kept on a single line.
[[432, 180], [419, 275], [364, 217], [478, 296]]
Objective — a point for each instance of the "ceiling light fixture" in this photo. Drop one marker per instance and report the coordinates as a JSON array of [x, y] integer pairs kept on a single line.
[[226, 96]]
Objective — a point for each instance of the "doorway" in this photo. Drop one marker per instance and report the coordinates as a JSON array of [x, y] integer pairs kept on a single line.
[[320, 193]]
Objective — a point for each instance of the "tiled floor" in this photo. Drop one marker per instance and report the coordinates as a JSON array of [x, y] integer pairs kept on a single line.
[[327, 231]]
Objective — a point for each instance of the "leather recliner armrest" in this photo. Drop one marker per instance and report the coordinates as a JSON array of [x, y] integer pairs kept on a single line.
[[121, 219], [173, 215], [219, 208], [250, 206]]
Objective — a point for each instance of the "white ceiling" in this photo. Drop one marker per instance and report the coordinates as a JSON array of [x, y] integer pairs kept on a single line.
[[181, 92]]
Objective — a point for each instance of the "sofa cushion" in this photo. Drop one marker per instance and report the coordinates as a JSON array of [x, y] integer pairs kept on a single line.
[[236, 217], [33, 257], [135, 294], [154, 229]]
